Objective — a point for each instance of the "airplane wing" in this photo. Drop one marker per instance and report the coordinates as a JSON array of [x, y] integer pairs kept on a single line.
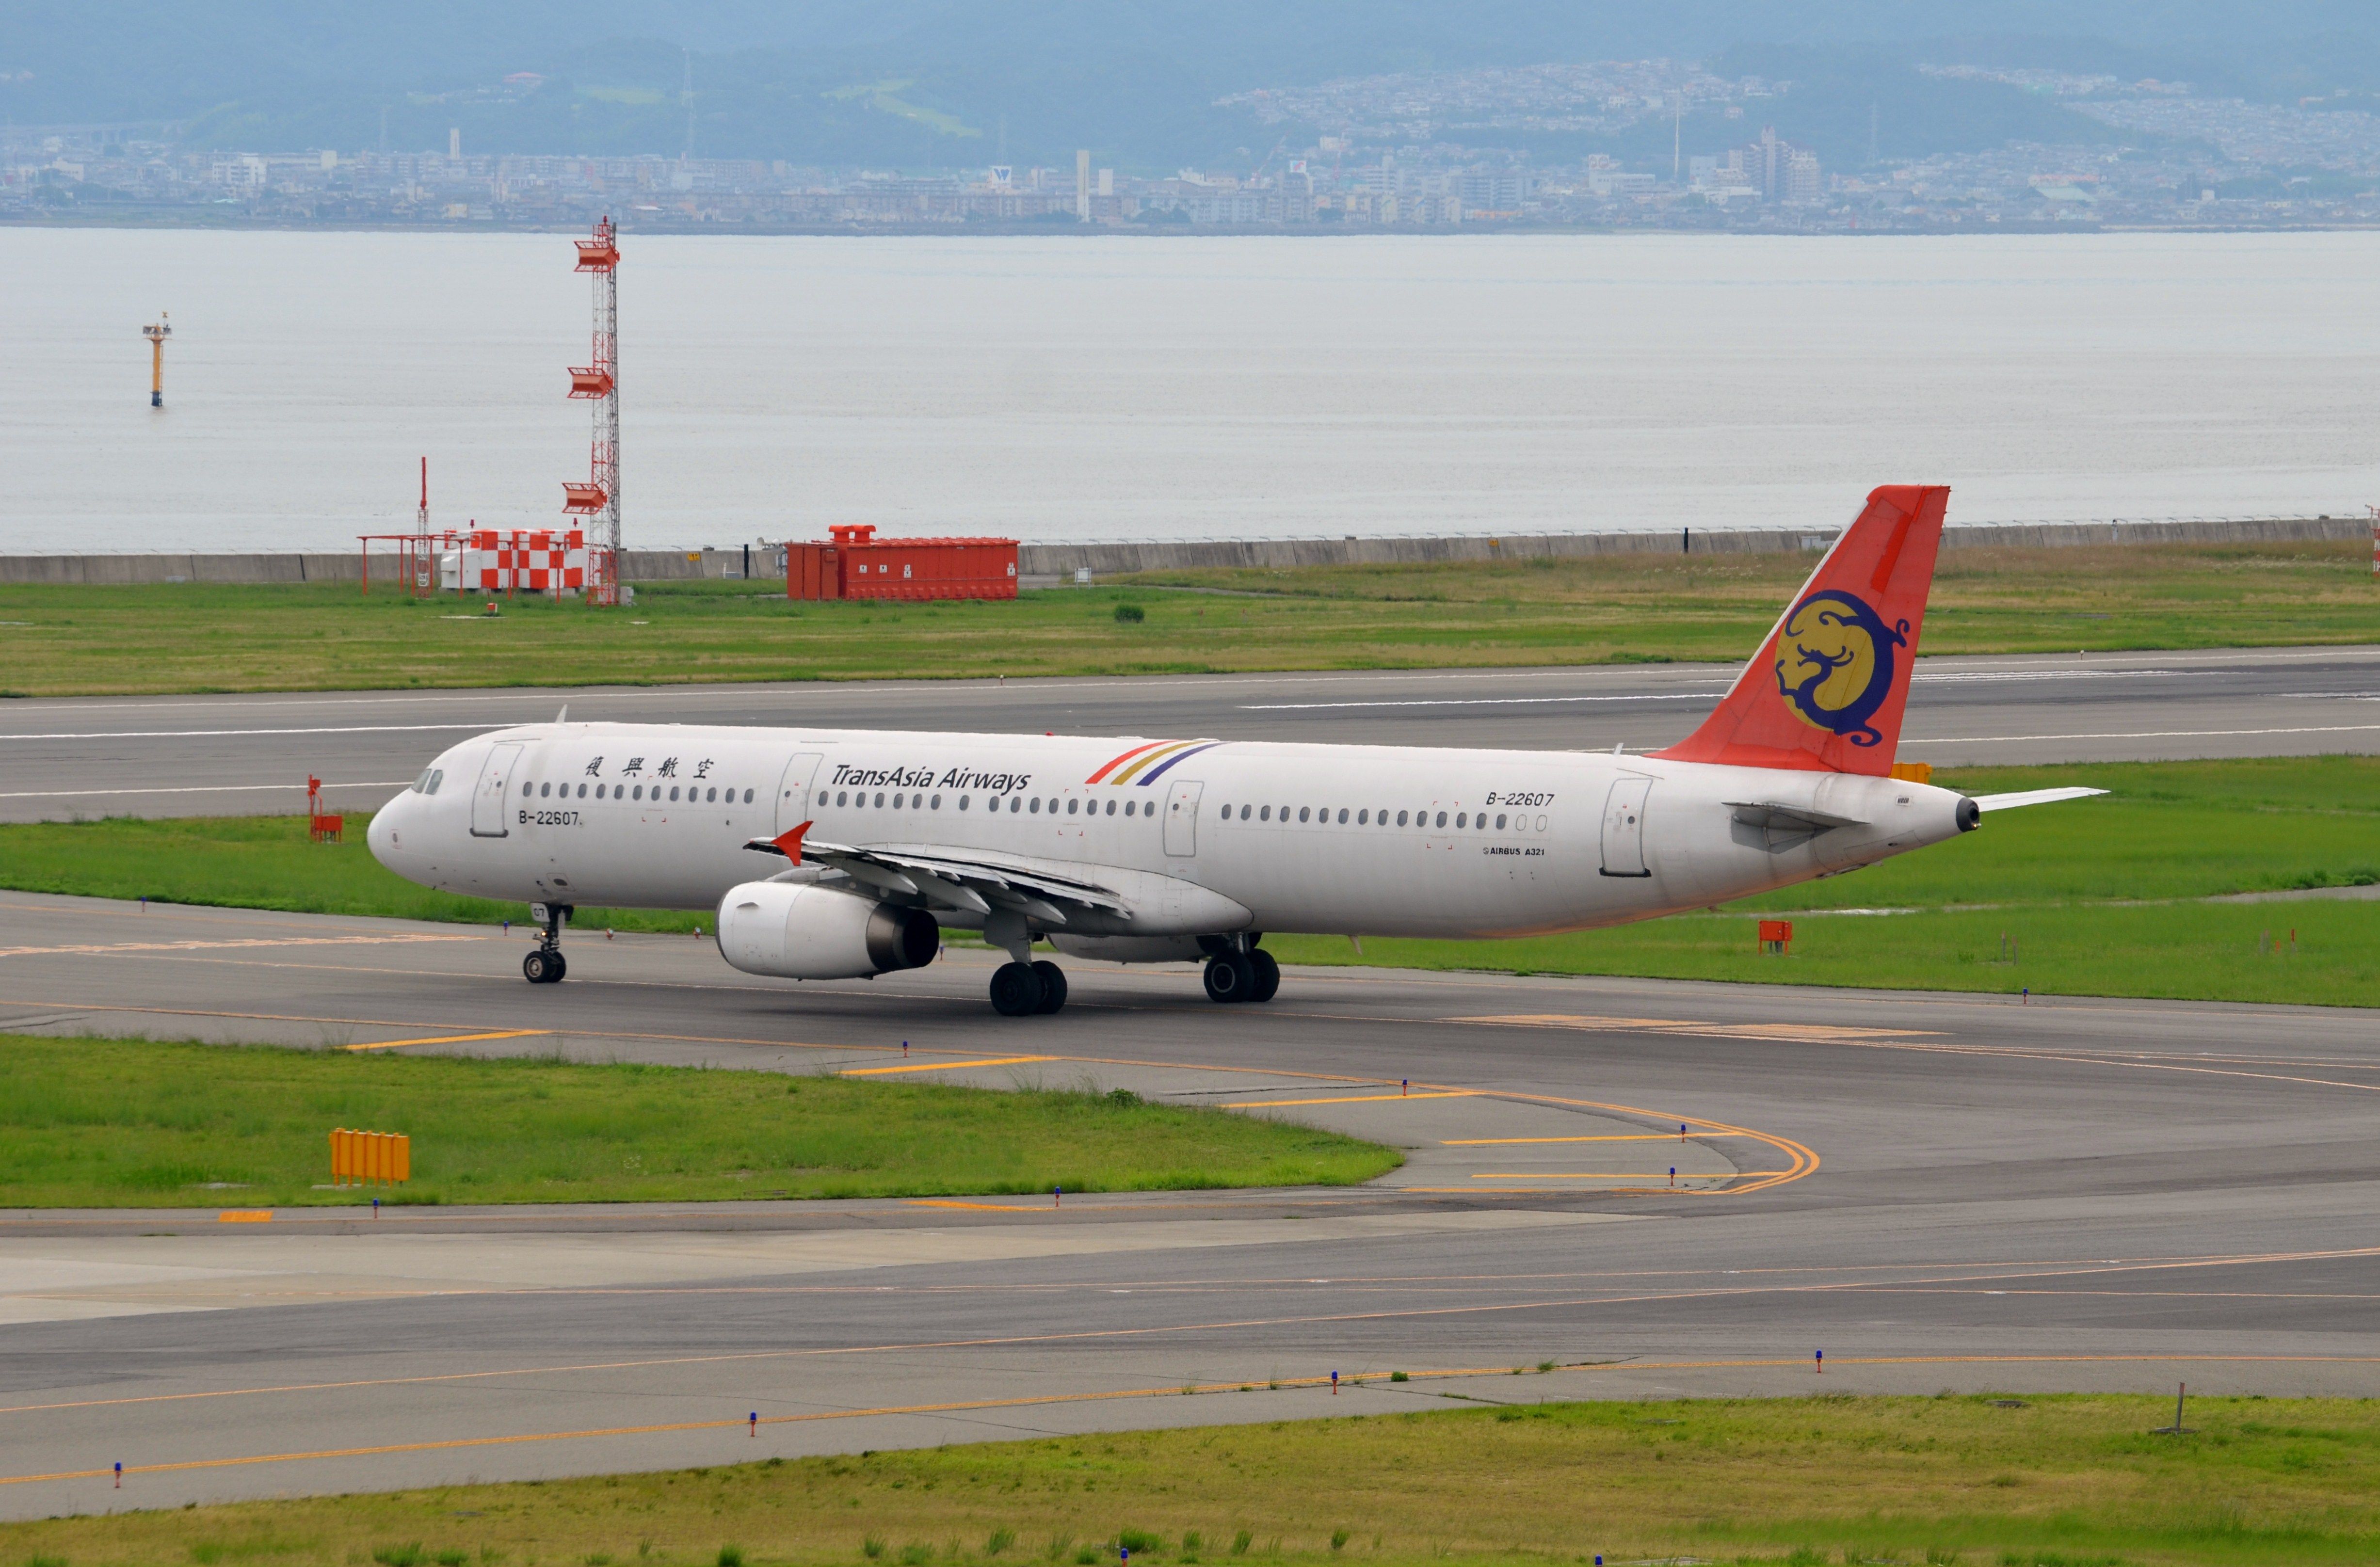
[[2031, 797], [930, 875]]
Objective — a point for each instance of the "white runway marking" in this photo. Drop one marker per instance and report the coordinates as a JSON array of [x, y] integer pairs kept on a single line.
[[103, 949], [1960, 677], [189, 789], [2141, 734], [209, 733]]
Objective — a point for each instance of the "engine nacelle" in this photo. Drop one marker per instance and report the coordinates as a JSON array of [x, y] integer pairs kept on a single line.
[[796, 931]]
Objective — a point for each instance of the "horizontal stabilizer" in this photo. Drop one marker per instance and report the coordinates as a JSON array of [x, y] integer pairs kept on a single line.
[[2031, 797], [1769, 813]]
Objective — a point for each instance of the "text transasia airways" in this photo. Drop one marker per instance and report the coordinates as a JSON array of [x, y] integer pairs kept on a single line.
[[923, 778]]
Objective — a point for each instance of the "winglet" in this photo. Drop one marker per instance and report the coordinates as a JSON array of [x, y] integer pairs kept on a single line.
[[791, 843], [1826, 690]]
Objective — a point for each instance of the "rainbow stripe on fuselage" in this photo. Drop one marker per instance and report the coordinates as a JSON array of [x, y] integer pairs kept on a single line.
[[1145, 764]]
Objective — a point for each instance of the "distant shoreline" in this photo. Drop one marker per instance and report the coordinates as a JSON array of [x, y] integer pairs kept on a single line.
[[154, 222]]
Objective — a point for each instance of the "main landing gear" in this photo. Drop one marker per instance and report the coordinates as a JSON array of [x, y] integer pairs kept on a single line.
[[1022, 986], [1243, 972], [545, 964], [1020, 990]]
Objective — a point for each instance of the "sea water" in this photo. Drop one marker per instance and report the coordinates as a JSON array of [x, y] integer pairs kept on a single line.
[[1076, 387]]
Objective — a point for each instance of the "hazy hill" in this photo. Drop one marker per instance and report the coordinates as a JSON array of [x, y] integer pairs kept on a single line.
[[951, 82]]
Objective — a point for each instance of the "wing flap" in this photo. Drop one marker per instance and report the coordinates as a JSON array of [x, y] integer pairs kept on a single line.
[[955, 879]]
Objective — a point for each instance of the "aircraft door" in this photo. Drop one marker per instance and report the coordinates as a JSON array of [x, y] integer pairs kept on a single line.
[[1182, 818], [488, 799], [1624, 828], [794, 792]]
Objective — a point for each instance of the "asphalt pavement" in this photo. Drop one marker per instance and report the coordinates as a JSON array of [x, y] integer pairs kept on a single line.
[[74, 758], [1937, 1191]]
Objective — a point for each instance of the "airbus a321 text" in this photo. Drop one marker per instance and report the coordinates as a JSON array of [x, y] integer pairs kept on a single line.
[[845, 853]]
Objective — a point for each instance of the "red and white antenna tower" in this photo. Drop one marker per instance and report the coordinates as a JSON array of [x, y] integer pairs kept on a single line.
[[599, 498]]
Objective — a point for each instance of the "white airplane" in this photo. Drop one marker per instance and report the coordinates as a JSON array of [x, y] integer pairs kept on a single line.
[[845, 853]]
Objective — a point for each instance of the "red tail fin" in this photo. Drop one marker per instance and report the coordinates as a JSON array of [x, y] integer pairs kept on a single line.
[[1825, 691]]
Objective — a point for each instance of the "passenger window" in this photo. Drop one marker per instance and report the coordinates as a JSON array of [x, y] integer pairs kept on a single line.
[[1016, 804], [1362, 819], [880, 802], [1499, 821], [841, 799], [748, 797], [709, 795], [1072, 807], [1400, 819], [1442, 819], [1266, 815], [1227, 813], [672, 791], [962, 802], [1300, 813], [1343, 816], [821, 797], [1110, 808], [936, 804], [1460, 819], [640, 792], [1037, 807], [1128, 806]]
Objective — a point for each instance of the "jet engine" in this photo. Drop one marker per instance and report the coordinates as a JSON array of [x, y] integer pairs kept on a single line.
[[796, 931]]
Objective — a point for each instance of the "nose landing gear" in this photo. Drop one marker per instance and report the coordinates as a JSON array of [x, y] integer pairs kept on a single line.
[[545, 964]]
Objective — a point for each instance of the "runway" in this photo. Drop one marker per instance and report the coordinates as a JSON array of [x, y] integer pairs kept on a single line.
[[1937, 1191], [236, 755]]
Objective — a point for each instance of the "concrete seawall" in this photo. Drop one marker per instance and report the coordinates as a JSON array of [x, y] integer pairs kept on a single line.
[[1061, 561]]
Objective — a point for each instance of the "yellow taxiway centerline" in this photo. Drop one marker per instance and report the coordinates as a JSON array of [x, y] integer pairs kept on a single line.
[[1623, 1137], [1352, 1099], [449, 1039], [943, 1065]]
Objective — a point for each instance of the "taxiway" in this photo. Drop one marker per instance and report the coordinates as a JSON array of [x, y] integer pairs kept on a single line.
[[1937, 1191]]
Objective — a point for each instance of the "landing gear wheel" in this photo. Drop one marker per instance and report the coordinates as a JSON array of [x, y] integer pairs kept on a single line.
[[1230, 979], [1053, 985], [542, 967], [1268, 973], [1015, 989]]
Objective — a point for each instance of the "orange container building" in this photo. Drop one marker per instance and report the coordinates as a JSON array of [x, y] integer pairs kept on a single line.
[[853, 564]]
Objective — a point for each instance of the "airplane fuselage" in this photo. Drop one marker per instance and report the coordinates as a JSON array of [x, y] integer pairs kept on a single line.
[[1192, 838]]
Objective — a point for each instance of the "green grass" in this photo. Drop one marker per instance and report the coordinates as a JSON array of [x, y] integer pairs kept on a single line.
[[1609, 608], [2061, 1482], [2097, 898], [119, 1123]]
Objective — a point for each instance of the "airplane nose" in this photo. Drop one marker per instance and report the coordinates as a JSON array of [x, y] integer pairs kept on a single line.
[[385, 837]]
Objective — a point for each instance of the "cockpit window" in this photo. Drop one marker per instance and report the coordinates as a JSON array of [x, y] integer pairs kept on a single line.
[[422, 784]]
